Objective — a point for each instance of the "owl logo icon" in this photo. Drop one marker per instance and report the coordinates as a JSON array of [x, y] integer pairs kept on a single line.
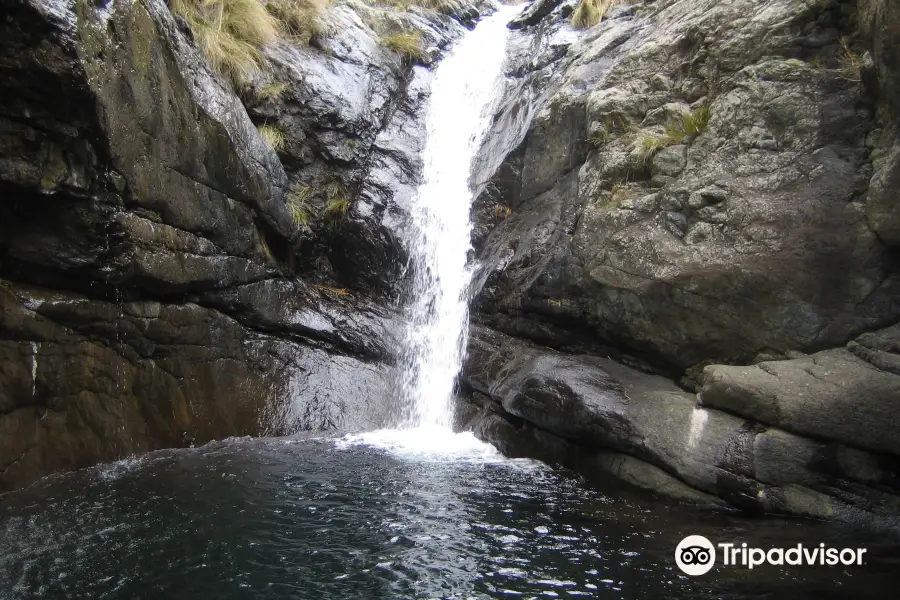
[[695, 555]]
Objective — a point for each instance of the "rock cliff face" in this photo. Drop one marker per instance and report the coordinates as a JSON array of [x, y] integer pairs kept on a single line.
[[705, 190], [686, 238], [149, 294]]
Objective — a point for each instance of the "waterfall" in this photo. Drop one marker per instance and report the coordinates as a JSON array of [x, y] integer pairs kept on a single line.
[[458, 116]]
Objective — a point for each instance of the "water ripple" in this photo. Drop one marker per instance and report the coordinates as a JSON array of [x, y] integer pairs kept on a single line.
[[365, 517]]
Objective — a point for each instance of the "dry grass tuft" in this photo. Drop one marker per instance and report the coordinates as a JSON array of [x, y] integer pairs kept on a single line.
[[336, 291], [336, 211], [273, 91], [447, 7], [502, 212], [272, 136], [337, 202], [230, 33], [298, 205], [302, 19], [849, 62], [590, 12], [407, 44]]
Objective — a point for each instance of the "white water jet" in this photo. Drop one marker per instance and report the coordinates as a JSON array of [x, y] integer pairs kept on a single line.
[[458, 116]]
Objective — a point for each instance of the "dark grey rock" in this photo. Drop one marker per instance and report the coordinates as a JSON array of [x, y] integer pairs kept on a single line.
[[772, 246], [841, 394], [148, 262], [603, 418]]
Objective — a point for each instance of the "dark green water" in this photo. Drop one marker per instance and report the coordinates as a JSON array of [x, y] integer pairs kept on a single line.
[[319, 519]]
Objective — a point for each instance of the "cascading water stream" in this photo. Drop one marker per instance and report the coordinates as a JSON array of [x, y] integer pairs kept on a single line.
[[457, 119]]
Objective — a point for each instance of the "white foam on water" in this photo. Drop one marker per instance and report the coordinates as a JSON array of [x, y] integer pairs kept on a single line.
[[428, 444]]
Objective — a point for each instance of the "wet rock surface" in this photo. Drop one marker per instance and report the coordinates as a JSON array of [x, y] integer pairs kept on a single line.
[[605, 419], [702, 191], [155, 289], [750, 235], [685, 234]]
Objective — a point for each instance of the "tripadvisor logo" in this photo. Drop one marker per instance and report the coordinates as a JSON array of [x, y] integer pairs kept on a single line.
[[696, 555]]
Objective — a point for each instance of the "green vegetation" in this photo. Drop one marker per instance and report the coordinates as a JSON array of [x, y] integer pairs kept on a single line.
[[336, 211], [298, 205], [301, 19], [677, 131], [230, 33], [590, 12], [648, 145], [272, 91], [407, 44], [337, 202], [335, 190], [694, 122], [273, 136]]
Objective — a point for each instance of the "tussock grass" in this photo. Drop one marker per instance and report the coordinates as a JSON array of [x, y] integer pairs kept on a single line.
[[688, 126], [677, 131], [407, 44], [336, 211], [590, 12], [267, 250], [298, 205], [611, 128], [694, 122], [849, 62], [273, 91], [272, 136], [337, 202], [446, 7], [302, 20], [647, 145], [230, 33], [336, 190]]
